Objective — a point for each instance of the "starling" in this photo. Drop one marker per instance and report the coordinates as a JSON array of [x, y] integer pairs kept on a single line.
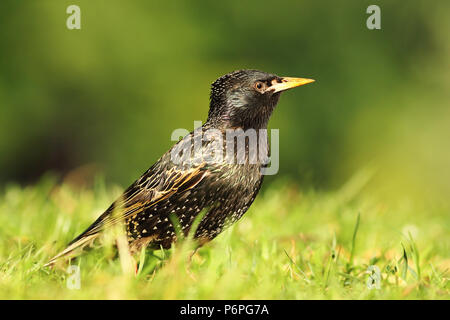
[[197, 179]]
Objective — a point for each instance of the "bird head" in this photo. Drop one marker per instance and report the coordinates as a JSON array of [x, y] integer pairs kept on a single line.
[[246, 98]]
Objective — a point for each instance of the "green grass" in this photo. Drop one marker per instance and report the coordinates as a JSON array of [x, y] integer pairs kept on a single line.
[[292, 244]]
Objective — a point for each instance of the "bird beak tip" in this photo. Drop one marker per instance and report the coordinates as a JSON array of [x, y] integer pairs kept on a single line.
[[289, 83]]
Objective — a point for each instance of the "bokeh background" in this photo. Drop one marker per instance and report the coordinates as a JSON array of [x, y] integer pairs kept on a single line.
[[105, 99]]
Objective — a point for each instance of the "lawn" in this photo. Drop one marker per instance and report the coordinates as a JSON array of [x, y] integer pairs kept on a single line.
[[291, 244]]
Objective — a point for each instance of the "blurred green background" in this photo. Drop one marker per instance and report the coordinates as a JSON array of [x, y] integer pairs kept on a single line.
[[107, 97]]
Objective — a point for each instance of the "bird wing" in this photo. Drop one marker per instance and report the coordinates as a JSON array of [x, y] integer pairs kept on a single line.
[[157, 184], [144, 194]]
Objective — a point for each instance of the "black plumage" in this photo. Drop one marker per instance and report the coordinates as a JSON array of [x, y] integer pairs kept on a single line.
[[200, 181]]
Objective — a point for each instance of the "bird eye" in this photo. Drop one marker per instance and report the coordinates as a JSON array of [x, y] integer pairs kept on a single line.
[[259, 86]]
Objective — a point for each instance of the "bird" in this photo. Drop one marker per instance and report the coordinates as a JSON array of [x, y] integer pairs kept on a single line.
[[195, 181]]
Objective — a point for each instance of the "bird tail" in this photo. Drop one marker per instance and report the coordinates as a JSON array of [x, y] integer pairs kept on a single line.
[[78, 243]]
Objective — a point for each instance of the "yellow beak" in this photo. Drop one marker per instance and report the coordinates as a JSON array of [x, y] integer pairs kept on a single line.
[[289, 83]]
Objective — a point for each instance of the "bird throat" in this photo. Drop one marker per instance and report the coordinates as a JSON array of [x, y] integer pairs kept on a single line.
[[245, 116]]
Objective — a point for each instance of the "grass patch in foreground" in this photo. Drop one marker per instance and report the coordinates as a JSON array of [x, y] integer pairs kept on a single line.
[[291, 244]]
